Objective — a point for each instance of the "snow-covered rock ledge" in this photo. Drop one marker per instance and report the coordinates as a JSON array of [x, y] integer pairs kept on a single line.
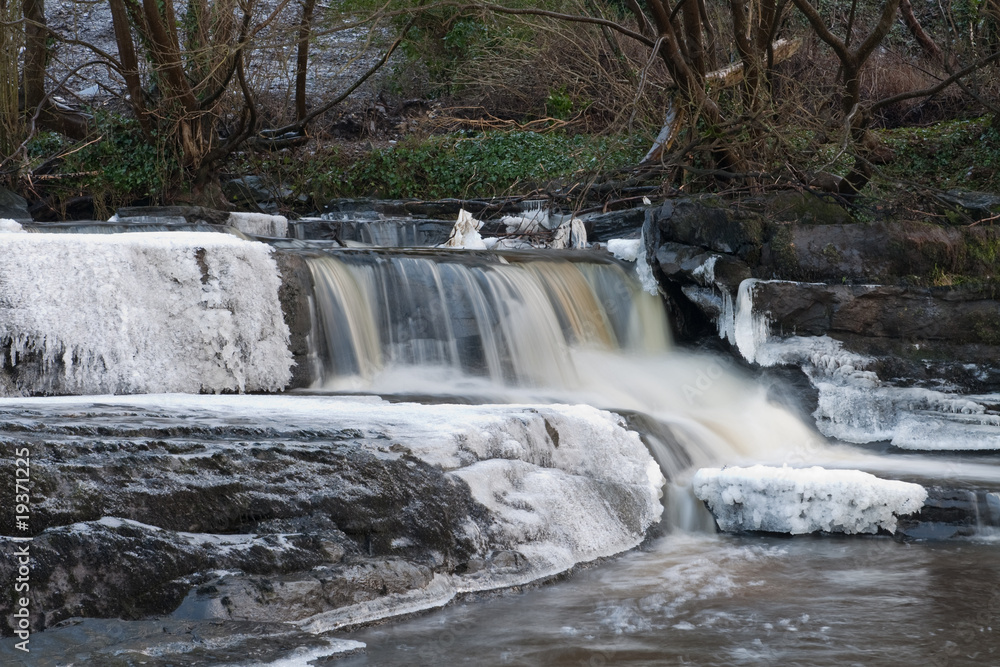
[[805, 500], [130, 313]]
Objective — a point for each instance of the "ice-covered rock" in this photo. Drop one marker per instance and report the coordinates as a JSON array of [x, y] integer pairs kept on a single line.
[[10, 226], [347, 509], [805, 500], [259, 224], [144, 312], [634, 250]]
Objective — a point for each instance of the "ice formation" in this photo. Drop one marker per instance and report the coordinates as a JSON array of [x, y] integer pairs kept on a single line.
[[144, 312], [466, 233], [259, 224], [571, 233], [805, 500], [634, 250], [563, 483], [908, 417], [738, 323], [10, 226], [625, 249]]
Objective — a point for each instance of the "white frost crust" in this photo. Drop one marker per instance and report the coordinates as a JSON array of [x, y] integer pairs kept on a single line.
[[805, 500], [144, 312], [705, 274], [8, 226], [625, 249], [439, 592], [259, 224], [910, 418]]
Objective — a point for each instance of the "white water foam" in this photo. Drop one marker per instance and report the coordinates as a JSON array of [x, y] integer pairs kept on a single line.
[[805, 500], [143, 312]]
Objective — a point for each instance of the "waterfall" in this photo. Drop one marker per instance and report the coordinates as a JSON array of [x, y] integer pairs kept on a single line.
[[511, 318], [540, 327]]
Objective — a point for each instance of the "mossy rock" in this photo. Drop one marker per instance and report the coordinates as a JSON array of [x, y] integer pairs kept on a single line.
[[807, 208]]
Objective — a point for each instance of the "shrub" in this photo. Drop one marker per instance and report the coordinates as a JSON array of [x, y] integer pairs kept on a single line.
[[483, 164]]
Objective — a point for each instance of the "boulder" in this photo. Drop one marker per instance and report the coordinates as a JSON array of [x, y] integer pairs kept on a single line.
[[13, 206]]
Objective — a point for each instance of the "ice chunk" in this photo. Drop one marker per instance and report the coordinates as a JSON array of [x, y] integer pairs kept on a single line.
[[625, 249], [10, 226], [143, 312], [577, 234], [466, 233], [259, 224], [805, 500], [570, 233], [644, 271]]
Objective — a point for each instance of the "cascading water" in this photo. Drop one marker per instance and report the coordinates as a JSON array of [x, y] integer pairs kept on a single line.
[[537, 327], [511, 492], [511, 319]]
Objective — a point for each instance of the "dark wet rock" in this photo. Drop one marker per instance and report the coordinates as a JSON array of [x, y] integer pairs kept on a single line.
[[190, 214], [254, 189], [795, 236], [389, 232], [808, 208], [913, 335], [13, 206], [234, 509], [907, 313], [825, 273], [295, 296], [625, 224], [304, 594], [441, 209], [694, 266], [952, 512], [708, 224]]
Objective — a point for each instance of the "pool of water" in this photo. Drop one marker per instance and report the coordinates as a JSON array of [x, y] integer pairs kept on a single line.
[[700, 599]]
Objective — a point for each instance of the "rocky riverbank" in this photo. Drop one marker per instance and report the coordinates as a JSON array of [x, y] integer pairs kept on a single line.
[[915, 298]]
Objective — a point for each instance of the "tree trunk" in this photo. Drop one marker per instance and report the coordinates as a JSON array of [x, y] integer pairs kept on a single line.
[[35, 54], [302, 59], [11, 127], [130, 63], [925, 41]]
